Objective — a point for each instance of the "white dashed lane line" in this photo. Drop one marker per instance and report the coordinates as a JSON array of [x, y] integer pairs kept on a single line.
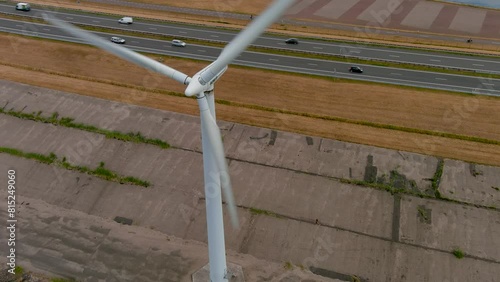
[[439, 78]]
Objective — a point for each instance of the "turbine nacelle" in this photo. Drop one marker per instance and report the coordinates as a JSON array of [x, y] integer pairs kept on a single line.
[[203, 81]]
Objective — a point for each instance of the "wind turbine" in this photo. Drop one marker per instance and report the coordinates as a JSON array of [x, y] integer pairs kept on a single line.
[[201, 85]]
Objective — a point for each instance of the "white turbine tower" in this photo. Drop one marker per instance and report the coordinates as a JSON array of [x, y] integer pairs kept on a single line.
[[201, 85]]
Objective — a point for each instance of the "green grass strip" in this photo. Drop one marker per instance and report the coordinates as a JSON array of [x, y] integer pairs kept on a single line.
[[68, 122], [99, 171], [264, 212]]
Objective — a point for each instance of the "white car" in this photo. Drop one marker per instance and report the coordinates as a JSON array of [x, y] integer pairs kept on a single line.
[[23, 7], [126, 20], [117, 40], [178, 43]]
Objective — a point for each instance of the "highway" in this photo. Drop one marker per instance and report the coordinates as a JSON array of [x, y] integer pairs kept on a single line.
[[488, 65], [460, 83]]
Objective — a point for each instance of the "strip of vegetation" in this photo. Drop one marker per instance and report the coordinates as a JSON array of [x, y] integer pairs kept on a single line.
[[458, 253], [68, 122], [264, 212], [100, 171], [394, 190], [380, 186], [437, 178], [62, 280]]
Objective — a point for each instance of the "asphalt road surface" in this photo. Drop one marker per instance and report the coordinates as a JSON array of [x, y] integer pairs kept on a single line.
[[460, 83], [489, 65]]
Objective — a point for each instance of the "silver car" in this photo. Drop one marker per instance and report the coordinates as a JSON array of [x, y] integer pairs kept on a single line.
[[178, 43], [117, 40]]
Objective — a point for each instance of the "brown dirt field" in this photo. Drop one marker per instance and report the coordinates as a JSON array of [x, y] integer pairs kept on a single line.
[[466, 115], [254, 7]]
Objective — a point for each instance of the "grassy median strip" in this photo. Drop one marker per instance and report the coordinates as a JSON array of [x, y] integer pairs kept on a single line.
[[99, 171], [69, 122]]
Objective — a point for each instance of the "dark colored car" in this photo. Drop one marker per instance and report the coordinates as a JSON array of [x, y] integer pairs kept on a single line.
[[292, 41], [117, 40], [356, 69]]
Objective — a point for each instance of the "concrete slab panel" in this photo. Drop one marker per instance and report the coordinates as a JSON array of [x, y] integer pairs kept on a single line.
[[380, 11], [468, 20], [166, 209], [327, 157], [471, 183], [423, 15], [368, 258], [61, 187], [89, 248], [335, 8], [363, 210], [446, 226]]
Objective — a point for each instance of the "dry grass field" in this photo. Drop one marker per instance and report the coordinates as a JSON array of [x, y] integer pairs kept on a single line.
[[314, 106]]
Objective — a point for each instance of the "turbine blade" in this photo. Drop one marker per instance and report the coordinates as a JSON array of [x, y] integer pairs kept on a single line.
[[246, 37], [119, 51], [217, 150]]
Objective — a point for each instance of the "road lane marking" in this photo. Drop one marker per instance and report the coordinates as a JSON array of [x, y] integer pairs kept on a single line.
[[394, 73], [489, 84], [435, 60], [183, 32], [271, 59], [316, 47], [152, 28], [96, 21], [439, 78], [311, 64], [211, 35], [479, 65], [394, 56], [201, 51]]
